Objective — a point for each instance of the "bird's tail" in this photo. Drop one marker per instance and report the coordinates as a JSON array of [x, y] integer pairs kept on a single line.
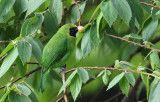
[[42, 80]]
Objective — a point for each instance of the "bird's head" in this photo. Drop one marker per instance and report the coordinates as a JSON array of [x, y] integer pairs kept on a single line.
[[74, 29]]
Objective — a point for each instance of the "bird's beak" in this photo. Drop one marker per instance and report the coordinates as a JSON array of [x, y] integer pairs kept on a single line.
[[81, 29]]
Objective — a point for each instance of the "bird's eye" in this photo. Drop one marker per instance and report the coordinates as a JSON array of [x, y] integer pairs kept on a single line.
[[73, 31]]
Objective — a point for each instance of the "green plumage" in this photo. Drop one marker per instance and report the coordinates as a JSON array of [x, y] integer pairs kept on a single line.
[[57, 51]]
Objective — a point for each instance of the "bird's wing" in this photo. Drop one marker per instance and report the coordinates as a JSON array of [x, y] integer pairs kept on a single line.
[[54, 51]]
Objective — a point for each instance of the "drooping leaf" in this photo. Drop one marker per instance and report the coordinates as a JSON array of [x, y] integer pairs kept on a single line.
[[24, 89], [130, 78], [83, 75], [149, 29], [75, 13], [31, 25], [123, 9], [20, 6], [75, 86], [15, 97], [115, 80], [51, 24], [33, 5], [135, 36], [37, 48], [155, 58], [124, 86], [67, 81], [24, 50], [5, 6], [21, 68], [109, 12], [105, 78], [56, 8], [101, 73], [8, 61]]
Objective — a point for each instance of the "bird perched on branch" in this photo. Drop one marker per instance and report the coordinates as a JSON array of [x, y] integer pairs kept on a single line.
[[58, 50]]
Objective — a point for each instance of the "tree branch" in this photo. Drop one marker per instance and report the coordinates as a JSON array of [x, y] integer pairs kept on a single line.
[[27, 75], [3, 57], [132, 42], [64, 91], [79, 9], [149, 5]]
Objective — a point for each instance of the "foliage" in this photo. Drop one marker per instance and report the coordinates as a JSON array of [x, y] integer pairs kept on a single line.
[[111, 29]]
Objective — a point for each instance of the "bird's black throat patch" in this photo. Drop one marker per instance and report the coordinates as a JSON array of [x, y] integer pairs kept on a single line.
[[73, 31]]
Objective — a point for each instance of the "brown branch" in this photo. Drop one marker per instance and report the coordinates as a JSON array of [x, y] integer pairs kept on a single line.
[[132, 42], [64, 91], [4, 41], [17, 79], [79, 9], [149, 5], [3, 57]]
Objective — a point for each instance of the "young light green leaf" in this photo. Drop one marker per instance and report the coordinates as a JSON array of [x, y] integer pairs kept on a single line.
[[75, 13], [123, 9], [75, 86], [8, 61], [24, 89], [108, 72], [33, 5], [37, 48], [149, 29], [83, 75], [67, 81], [130, 78], [109, 12], [50, 23], [115, 80], [24, 50], [98, 22], [105, 78], [56, 8], [21, 68], [135, 36], [20, 6], [155, 58], [101, 73], [31, 25], [124, 86], [5, 6]]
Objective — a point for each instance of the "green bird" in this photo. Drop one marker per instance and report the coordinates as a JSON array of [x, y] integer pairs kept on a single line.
[[58, 50]]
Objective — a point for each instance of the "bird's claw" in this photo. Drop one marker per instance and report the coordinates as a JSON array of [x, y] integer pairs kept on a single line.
[[62, 69]]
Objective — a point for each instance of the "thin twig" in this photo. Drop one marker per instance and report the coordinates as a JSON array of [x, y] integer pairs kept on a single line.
[[26, 75], [64, 91], [4, 41], [3, 57], [132, 42], [79, 9], [149, 5]]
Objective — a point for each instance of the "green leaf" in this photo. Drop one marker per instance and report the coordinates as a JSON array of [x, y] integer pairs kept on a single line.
[[98, 22], [37, 48], [15, 97], [109, 12], [130, 78], [105, 78], [86, 45], [50, 23], [154, 95], [31, 25], [83, 75], [75, 12], [101, 73], [67, 81], [124, 86], [123, 9], [5, 6], [56, 8], [149, 29], [8, 61], [75, 86], [33, 5], [24, 89], [24, 50], [21, 68], [135, 36], [115, 80], [67, 3], [9, 46], [91, 75], [20, 6], [155, 58]]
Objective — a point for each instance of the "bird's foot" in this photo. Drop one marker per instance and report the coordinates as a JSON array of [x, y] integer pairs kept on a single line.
[[62, 69]]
